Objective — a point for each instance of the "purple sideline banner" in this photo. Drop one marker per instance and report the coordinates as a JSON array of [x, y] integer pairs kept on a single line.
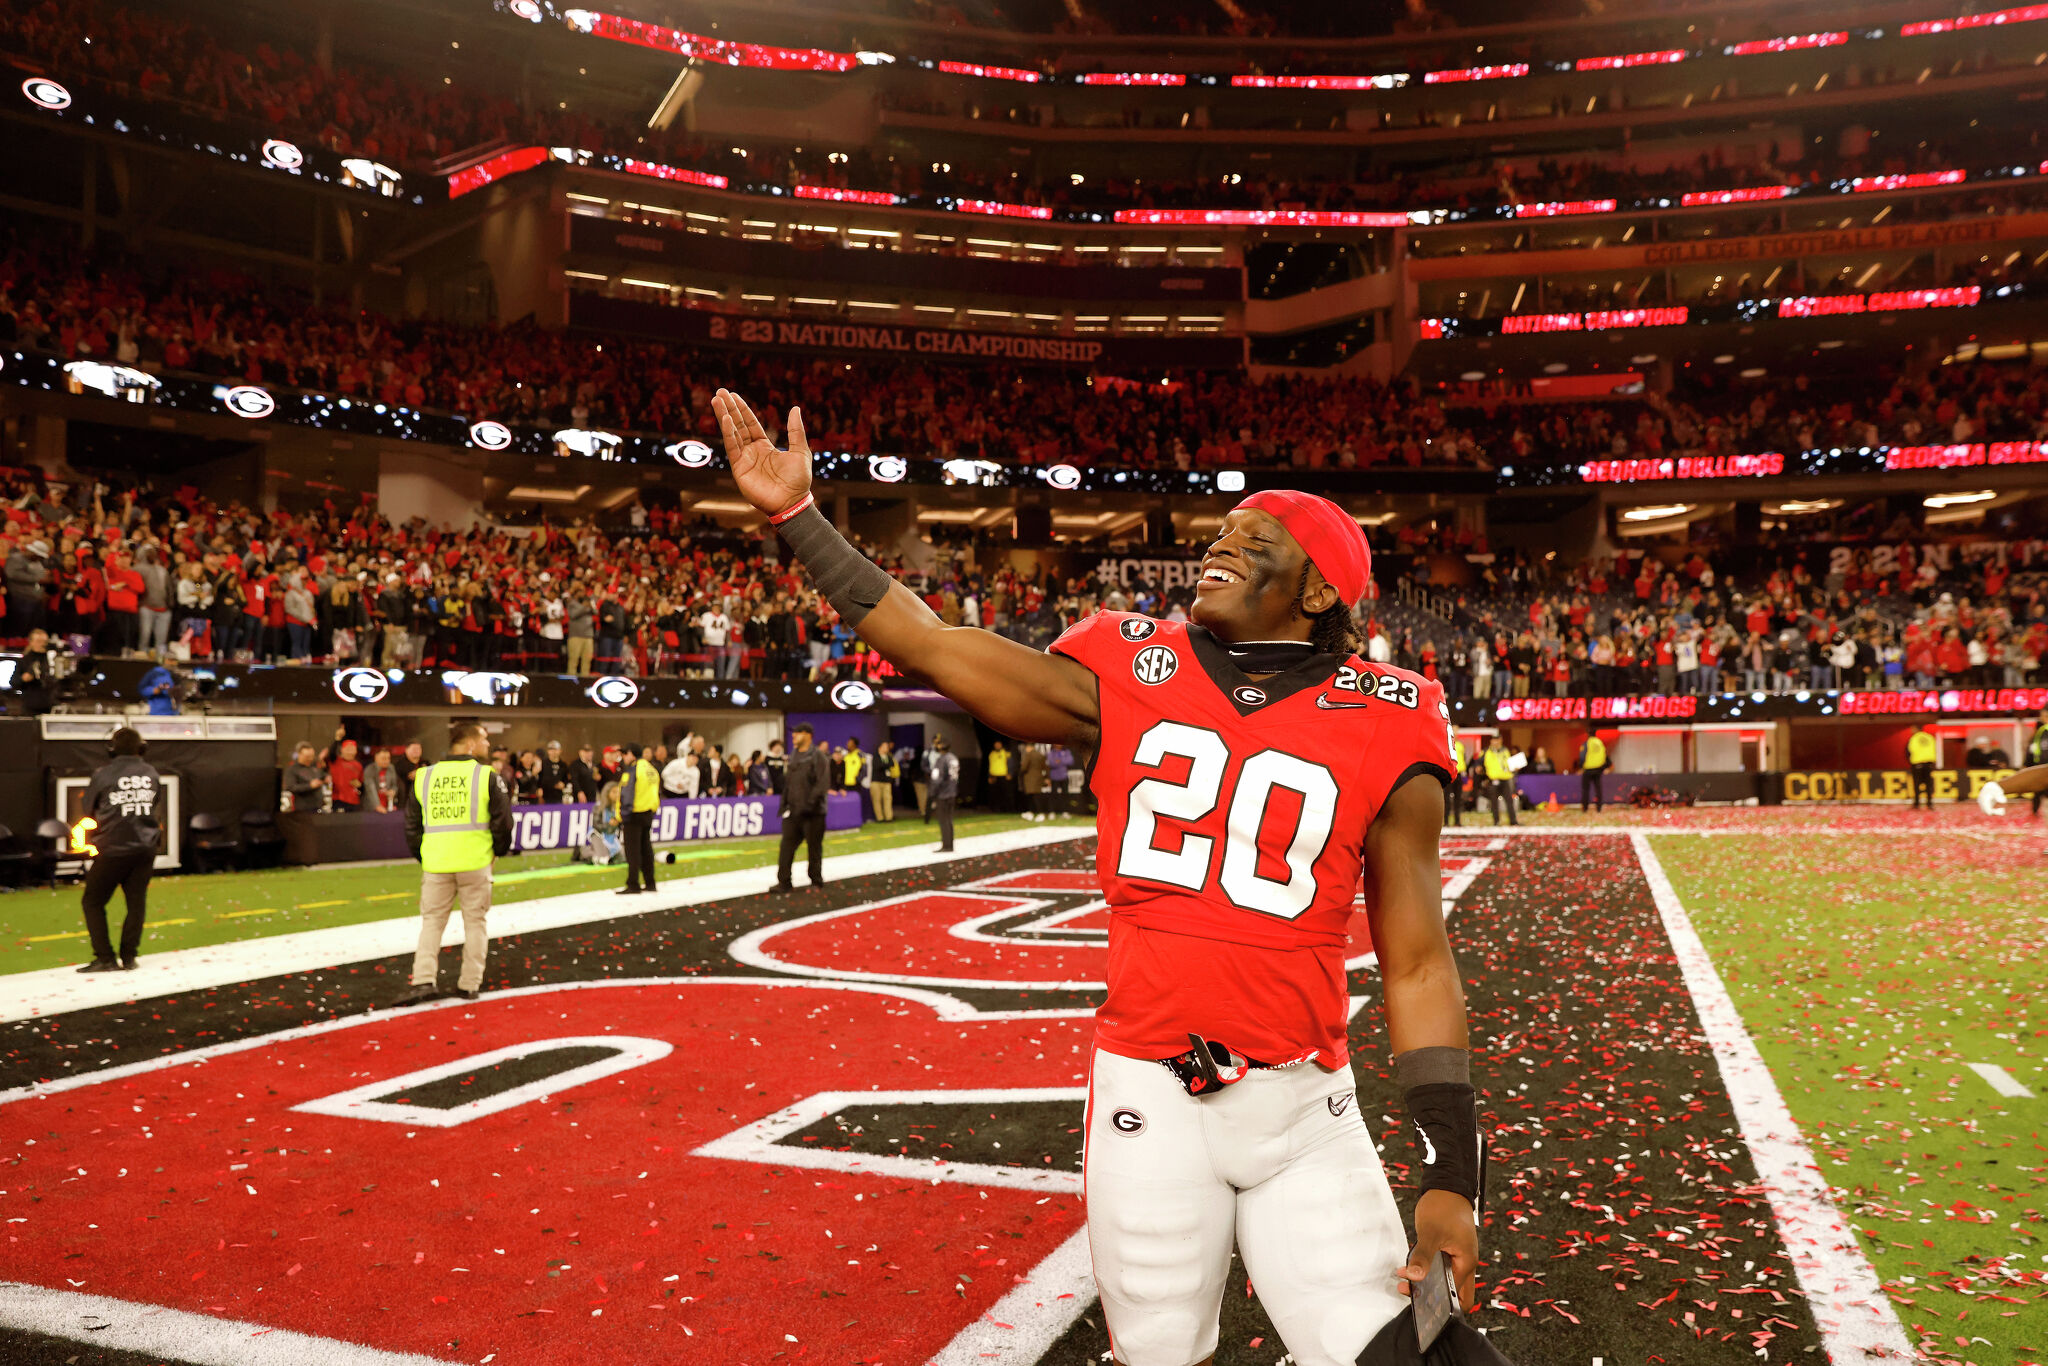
[[679, 820]]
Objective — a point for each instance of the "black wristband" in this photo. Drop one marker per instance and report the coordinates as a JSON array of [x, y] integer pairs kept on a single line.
[[1445, 1117], [849, 580]]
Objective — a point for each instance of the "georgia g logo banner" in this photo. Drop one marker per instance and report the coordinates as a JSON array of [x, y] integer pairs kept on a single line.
[[361, 685], [614, 690], [852, 695]]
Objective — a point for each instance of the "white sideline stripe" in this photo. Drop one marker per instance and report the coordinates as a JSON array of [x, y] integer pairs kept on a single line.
[[1856, 1319], [1036, 1315], [2001, 1080], [174, 1334], [948, 1008], [52, 991], [1779, 831]]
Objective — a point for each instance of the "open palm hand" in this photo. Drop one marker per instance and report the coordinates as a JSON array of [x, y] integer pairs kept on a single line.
[[772, 480]]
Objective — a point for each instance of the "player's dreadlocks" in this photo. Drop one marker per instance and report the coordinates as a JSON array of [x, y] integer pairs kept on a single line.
[[1331, 630]]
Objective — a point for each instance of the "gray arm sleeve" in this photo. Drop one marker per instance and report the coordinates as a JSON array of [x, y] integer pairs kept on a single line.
[[850, 581], [1433, 1067]]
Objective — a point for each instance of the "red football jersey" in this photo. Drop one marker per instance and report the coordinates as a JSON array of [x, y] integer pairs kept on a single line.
[[1232, 832]]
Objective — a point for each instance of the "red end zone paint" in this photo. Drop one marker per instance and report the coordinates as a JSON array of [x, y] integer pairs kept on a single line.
[[200, 1188]]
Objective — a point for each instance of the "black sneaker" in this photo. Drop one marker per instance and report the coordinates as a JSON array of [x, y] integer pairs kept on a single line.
[[417, 995], [468, 993], [628, 891], [102, 965], [128, 963], [782, 889]]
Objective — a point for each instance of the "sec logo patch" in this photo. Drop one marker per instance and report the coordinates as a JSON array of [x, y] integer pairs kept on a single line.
[[1138, 628], [1155, 664], [1127, 1122]]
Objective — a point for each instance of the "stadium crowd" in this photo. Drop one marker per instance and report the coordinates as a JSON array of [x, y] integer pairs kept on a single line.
[[1707, 413], [394, 116], [174, 575], [55, 299], [1637, 623]]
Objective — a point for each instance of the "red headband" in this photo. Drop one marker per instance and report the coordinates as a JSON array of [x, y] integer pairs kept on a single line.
[[1334, 542]]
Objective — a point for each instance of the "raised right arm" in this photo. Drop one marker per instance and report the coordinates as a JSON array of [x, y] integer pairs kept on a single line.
[[1012, 688]]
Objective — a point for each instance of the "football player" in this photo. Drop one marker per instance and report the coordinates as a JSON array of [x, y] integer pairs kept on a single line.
[[1250, 768], [2028, 781]]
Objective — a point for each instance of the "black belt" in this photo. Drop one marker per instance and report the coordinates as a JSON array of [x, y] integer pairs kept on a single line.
[[1208, 1067]]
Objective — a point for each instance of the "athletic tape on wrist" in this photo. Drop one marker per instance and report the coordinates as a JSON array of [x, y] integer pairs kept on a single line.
[[849, 580]]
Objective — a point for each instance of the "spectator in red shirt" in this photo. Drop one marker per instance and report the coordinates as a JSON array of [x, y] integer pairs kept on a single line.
[[1953, 655], [119, 631], [345, 777]]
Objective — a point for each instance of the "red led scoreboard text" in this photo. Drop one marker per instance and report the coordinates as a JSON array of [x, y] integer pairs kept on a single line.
[[1913, 702], [1655, 708], [1684, 467]]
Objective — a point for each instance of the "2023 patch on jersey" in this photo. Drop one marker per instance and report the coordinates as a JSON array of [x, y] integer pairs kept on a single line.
[[1232, 823]]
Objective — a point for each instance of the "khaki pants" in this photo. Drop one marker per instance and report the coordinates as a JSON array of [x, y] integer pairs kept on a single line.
[[922, 790], [884, 798], [578, 654], [439, 894]]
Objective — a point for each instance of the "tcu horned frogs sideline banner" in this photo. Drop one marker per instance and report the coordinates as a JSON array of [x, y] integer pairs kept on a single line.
[[698, 818]]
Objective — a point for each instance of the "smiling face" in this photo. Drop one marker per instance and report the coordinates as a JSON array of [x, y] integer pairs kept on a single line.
[[1251, 582]]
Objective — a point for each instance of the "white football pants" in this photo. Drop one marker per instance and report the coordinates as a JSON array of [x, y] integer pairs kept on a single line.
[[1281, 1163]]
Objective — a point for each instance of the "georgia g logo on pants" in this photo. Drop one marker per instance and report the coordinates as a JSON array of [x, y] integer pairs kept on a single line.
[[1127, 1122]]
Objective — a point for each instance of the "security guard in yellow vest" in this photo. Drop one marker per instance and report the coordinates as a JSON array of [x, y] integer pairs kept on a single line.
[[639, 803], [1500, 779], [1454, 790], [458, 818], [1922, 749], [1593, 773]]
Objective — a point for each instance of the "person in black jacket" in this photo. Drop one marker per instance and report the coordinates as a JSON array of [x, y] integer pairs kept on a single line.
[[584, 777], [118, 832], [806, 779], [35, 677], [552, 776]]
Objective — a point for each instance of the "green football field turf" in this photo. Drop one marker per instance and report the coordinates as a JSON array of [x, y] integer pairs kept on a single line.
[[1871, 969], [41, 928]]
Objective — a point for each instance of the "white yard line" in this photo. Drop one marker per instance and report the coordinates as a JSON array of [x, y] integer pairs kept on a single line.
[[175, 1335], [1024, 1324], [25, 995], [1856, 1320], [2025, 831], [2002, 1081]]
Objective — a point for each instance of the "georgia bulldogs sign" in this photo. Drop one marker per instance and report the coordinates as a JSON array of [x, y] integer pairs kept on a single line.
[[633, 1214]]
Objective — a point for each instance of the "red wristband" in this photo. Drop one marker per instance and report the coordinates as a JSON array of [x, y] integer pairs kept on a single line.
[[777, 519]]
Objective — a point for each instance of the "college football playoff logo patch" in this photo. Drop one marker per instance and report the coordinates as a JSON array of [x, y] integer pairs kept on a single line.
[[1154, 664], [1138, 628]]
